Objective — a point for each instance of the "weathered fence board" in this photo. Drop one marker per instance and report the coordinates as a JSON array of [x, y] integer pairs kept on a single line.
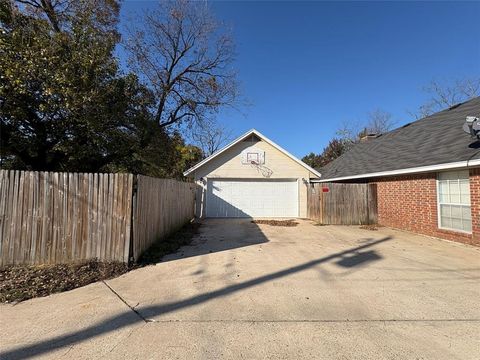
[[161, 206], [57, 217], [48, 218], [342, 204]]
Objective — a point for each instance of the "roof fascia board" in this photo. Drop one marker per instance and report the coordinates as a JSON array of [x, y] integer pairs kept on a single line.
[[420, 169], [240, 138], [285, 152], [218, 152]]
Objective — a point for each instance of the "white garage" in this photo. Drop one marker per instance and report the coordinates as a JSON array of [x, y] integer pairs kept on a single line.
[[252, 198], [252, 177]]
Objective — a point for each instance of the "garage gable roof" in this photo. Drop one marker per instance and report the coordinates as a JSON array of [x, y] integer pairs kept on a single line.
[[244, 136]]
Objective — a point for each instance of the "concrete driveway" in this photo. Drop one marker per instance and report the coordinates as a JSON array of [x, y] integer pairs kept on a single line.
[[243, 291]]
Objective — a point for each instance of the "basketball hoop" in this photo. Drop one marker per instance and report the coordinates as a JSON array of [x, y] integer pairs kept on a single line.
[[253, 162]]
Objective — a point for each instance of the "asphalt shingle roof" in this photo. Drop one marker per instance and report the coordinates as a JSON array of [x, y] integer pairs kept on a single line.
[[435, 139]]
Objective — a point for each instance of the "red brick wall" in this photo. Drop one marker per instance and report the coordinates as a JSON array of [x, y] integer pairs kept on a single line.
[[410, 203], [475, 203]]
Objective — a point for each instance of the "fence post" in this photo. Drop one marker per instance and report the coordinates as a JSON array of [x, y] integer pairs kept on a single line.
[[322, 204], [133, 218], [367, 203]]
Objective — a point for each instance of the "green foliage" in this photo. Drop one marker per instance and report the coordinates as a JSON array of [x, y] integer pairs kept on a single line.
[[185, 156], [54, 90], [64, 105], [313, 160], [333, 150]]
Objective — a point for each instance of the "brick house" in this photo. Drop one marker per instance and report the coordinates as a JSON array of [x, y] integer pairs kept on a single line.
[[427, 174]]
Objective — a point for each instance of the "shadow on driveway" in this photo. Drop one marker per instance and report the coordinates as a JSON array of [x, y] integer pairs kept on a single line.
[[219, 235], [360, 258], [128, 318]]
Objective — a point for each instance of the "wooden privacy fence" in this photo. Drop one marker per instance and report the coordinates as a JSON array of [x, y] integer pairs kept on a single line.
[[161, 206], [48, 218], [342, 204]]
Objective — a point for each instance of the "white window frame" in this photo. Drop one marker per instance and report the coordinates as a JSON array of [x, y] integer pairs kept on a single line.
[[439, 217]]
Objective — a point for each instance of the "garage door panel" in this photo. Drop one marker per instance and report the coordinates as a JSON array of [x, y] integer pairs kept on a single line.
[[252, 198]]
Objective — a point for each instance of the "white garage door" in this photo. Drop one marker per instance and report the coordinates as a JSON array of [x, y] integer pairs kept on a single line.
[[252, 198]]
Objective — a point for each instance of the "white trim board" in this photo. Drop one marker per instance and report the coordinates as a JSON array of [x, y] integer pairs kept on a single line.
[[242, 137], [420, 169]]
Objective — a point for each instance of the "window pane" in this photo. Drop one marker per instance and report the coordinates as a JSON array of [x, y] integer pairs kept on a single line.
[[443, 191], [466, 213], [467, 225], [455, 198], [465, 199], [444, 198], [456, 211], [445, 210], [445, 222], [454, 189], [465, 187], [457, 224], [443, 187], [465, 192]]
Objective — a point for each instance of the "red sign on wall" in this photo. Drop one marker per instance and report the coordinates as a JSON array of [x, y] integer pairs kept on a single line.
[[325, 189]]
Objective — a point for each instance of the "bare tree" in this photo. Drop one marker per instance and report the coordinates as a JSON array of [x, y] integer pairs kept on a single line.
[[184, 56], [210, 137], [349, 131], [379, 122], [60, 13], [444, 95]]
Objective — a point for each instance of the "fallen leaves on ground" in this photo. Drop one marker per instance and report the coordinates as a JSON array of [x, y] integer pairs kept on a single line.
[[373, 227], [168, 246], [276, 222], [23, 282], [19, 283]]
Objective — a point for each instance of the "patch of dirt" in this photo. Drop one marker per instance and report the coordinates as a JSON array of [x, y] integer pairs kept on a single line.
[[372, 227], [19, 283], [287, 223]]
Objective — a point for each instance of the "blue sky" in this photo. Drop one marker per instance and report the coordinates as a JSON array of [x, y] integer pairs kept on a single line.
[[306, 67]]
